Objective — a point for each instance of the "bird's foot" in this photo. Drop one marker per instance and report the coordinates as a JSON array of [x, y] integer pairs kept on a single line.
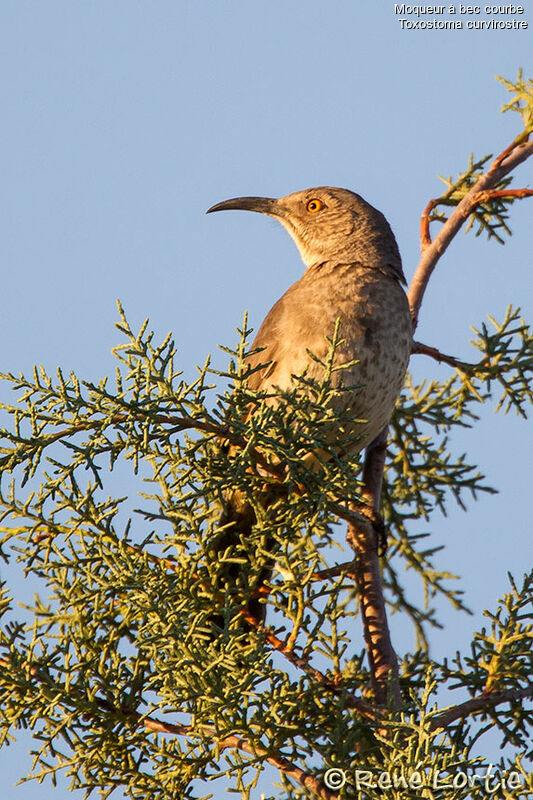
[[381, 533], [377, 522]]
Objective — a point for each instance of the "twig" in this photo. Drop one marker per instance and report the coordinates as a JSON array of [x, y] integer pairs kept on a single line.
[[335, 687], [355, 515], [517, 152], [425, 236], [347, 568], [442, 358], [178, 423], [494, 194], [477, 705], [280, 646], [305, 779], [483, 197]]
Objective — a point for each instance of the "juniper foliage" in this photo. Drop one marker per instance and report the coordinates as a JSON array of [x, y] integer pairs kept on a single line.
[[118, 668]]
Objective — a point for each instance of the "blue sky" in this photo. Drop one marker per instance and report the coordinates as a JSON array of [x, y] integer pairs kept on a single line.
[[124, 121]]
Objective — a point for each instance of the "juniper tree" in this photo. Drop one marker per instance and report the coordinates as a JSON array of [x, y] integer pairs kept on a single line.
[[119, 669]]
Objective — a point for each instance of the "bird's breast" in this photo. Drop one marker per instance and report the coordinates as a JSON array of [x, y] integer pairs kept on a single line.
[[374, 329]]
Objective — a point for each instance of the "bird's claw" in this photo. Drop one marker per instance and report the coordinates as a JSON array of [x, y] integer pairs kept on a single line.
[[378, 526], [381, 533]]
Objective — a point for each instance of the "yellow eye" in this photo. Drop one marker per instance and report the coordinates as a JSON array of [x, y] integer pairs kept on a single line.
[[314, 205]]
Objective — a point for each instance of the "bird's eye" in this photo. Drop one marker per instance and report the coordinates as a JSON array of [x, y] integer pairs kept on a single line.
[[314, 205]]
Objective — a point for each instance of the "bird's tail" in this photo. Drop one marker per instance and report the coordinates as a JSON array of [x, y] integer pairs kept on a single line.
[[234, 545]]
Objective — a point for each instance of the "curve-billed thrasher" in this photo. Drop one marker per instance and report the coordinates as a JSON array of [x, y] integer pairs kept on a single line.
[[354, 274]]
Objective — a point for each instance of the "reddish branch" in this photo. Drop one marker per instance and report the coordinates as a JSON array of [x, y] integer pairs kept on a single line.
[[274, 757], [305, 779], [233, 741], [442, 358], [481, 192], [382, 659], [444, 719], [473, 706], [362, 537], [346, 568], [478, 705], [329, 684], [477, 199]]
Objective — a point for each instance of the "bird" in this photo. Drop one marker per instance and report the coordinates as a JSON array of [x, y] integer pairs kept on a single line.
[[354, 278]]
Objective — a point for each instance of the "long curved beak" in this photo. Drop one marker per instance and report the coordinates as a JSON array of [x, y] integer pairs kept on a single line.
[[263, 205]]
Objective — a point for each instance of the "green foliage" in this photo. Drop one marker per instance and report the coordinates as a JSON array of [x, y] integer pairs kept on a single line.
[[501, 660], [135, 668], [416, 757], [522, 100], [423, 474], [491, 215], [124, 635]]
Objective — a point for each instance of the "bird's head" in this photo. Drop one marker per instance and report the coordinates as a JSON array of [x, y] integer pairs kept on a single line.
[[329, 224]]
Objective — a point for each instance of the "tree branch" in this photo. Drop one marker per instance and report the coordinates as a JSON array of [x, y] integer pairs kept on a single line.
[[362, 538], [357, 703], [345, 568], [382, 658], [442, 358], [432, 251], [365, 709], [176, 423], [478, 704], [305, 779], [483, 197], [276, 759], [137, 414]]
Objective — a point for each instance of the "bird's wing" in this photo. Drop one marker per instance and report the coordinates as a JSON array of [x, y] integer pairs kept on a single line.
[[299, 323]]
